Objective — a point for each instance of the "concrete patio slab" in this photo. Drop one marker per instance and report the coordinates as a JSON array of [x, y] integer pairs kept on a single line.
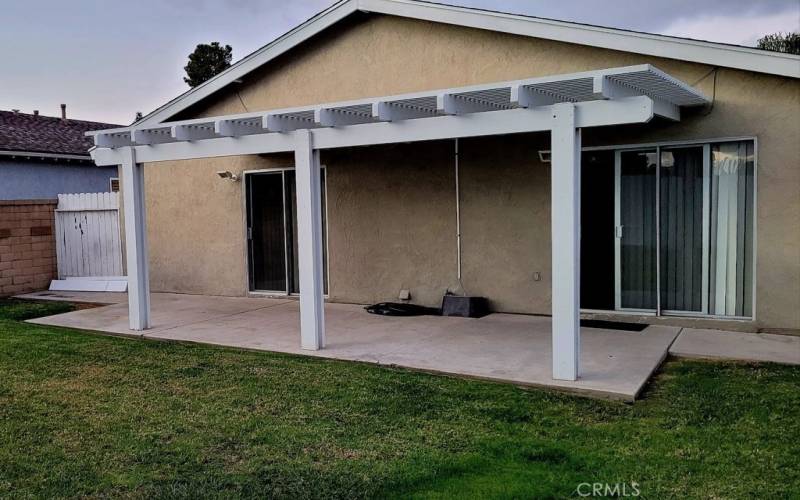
[[503, 347], [716, 344]]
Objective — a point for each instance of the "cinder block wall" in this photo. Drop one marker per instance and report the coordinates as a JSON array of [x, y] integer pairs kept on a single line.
[[27, 246]]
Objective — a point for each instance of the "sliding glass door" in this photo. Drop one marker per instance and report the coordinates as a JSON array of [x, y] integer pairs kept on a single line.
[[272, 231], [684, 229]]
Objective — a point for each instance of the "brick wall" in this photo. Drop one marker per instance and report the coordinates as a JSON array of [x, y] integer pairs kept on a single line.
[[27, 246]]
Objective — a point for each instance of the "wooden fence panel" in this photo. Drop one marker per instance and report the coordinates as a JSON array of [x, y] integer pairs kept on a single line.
[[87, 235]]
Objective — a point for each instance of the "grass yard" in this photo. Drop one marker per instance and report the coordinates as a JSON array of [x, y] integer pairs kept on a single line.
[[89, 415]]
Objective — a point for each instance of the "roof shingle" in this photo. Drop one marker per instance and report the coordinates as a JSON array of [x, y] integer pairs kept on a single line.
[[46, 134]]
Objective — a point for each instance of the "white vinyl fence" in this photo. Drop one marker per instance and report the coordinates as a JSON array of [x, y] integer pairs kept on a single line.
[[87, 235]]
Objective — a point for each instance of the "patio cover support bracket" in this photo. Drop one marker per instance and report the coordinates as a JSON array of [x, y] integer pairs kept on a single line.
[[566, 229], [135, 241], [309, 239]]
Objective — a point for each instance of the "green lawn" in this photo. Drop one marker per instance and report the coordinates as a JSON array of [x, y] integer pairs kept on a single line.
[[89, 415]]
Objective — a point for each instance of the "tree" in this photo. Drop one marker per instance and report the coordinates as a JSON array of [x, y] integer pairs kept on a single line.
[[781, 42], [206, 61]]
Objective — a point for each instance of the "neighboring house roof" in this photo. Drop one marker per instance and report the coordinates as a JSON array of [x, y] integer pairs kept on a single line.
[[716, 54], [46, 135]]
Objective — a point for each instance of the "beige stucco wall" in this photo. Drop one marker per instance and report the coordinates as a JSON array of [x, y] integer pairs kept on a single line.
[[391, 209]]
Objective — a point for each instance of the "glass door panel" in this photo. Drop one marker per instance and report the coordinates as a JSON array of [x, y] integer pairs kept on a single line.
[[682, 236], [636, 181], [266, 228]]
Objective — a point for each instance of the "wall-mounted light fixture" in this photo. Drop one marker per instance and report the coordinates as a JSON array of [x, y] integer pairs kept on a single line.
[[227, 174]]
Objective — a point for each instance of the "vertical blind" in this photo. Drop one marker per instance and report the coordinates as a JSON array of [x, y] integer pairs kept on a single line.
[[731, 228], [681, 228]]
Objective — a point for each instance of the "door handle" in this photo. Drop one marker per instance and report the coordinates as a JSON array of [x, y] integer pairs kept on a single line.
[[618, 231]]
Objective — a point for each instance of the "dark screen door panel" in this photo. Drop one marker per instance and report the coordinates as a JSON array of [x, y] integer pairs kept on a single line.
[[637, 199], [268, 232], [597, 230]]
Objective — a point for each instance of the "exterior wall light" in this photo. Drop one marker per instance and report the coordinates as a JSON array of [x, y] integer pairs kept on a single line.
[[226, 174]]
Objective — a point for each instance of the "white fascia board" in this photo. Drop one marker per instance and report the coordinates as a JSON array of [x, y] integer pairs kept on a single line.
[[54, 156], [715, 54], [511, 121], [286, 42]]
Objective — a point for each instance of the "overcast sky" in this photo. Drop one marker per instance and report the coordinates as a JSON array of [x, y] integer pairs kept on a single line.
[[108, 59]]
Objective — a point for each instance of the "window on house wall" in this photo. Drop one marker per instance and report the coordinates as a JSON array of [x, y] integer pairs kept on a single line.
[[113, 184]]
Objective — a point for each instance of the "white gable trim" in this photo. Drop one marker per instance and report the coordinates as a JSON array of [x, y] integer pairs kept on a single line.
[[716, 54]]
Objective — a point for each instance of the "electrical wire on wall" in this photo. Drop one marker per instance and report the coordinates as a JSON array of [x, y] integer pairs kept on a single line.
[[458, 220], [714, 71]]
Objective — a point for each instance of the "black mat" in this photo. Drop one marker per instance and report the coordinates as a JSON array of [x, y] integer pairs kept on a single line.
[[613, 325]]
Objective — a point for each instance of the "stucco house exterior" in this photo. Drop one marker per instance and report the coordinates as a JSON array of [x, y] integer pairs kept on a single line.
[[689, 216], [44, 156]]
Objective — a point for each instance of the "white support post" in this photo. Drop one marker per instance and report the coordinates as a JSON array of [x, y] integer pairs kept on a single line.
[[135, 241], [309, 239], [566, 227]]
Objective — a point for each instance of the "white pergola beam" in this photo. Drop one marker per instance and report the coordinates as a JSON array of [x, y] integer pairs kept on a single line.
[[606, 87], [151, 136], [193, 132], [135, 240], [337, 117], [510, 121], [285, 123], [529, 97], [460, 104], [112, 140], [565, 172], [309, 240], [237, 128], [392, 111]]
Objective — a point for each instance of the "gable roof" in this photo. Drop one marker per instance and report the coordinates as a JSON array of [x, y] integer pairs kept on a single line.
[[25, 133], [717, 54]]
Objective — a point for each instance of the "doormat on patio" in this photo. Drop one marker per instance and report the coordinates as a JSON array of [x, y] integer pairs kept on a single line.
[[613, 325]]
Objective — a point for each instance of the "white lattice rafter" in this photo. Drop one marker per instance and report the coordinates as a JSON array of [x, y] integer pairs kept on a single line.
[[667, 94]]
